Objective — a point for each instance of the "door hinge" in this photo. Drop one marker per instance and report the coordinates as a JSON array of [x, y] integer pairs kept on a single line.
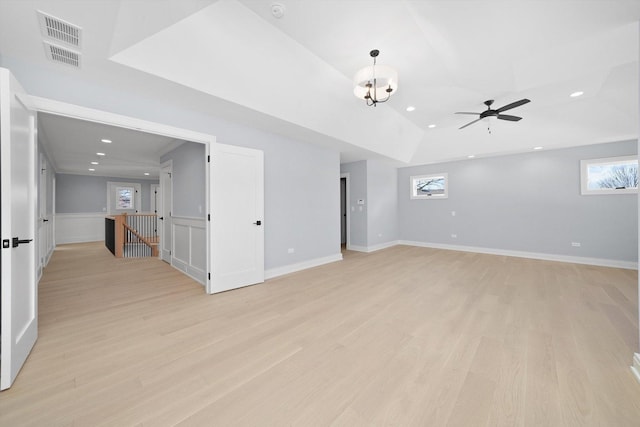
[[209, 275], [208, 217], [208, 159]]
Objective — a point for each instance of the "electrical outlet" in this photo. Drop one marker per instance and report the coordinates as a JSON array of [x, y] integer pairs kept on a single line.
[[453, 213], [575, 244], [454, 236], [291, 250]]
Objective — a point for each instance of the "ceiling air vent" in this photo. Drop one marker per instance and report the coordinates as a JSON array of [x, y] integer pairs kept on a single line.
[[62, 55], [57, 29]]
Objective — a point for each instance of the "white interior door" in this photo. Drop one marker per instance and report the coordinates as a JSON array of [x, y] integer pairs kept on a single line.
[[237, 217], [18, 296], [164, 219]]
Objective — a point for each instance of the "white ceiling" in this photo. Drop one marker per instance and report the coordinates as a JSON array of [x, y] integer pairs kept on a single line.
[[73, 144], [293, 75]]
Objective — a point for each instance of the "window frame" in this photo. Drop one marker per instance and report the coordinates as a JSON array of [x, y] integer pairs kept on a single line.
[[413, 188], [584, 175]]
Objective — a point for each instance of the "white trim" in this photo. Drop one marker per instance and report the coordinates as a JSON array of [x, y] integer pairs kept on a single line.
[[137, 197], [166, 167], [292, 268], [79, 227], [373, 248], [151, 194], [630, 265], [187, 266], [414, 196], [75, 111], [189, 220], [635, 368], [584, 175]]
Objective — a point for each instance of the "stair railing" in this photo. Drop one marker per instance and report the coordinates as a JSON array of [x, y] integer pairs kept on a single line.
[[136, 235]]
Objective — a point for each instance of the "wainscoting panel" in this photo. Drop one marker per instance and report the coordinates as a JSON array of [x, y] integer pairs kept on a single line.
[[79, 227], [189, 247]]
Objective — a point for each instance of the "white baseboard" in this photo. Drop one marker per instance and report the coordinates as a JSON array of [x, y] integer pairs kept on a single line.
[[635, 368], [196, 274], [292, 268], [373, 248], [533, 255]]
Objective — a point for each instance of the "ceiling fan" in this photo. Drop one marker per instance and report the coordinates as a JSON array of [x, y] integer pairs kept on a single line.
[[496, 113]]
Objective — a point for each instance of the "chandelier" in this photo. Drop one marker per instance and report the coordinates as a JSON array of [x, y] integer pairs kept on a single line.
[[375, 83]]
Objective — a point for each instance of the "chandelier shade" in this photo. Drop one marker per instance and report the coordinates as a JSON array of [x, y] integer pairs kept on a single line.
[[375, 83]]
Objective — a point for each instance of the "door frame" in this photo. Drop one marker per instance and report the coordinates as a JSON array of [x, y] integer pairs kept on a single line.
[[167, 167], [154, 189], [59, 108], [348, 210]]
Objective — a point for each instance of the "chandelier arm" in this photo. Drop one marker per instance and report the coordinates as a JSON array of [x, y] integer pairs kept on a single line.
[[375, 84]]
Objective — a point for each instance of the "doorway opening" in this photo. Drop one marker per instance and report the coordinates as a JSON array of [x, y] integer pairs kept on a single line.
[[196, 268], [344, 212]]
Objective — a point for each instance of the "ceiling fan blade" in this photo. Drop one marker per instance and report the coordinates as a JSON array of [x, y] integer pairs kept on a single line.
[[470, 123], [466, 112], [513, 105], [508, 117]]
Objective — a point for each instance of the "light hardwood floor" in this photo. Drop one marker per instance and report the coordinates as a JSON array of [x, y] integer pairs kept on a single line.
[[404, 336]]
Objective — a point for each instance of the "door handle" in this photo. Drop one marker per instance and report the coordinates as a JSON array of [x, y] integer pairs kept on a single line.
[[257, 223], [45, 220], [15, 242], [161, 218]]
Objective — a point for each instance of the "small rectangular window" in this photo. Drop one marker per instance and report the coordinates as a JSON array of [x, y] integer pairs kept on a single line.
[[613, 175], [430, 186], [125, 198]]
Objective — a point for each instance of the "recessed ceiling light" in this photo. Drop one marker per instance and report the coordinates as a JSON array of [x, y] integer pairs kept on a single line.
[[431, 126], [95, 163], [471, 156], [100, 154], [146, 173], [106, 141], [576, 94], [411, 108], [277, 10], [92, 169], [538, 148]]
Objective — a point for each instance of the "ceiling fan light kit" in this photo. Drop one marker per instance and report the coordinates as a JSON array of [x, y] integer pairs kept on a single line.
[[375, 83], [497, 113]]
